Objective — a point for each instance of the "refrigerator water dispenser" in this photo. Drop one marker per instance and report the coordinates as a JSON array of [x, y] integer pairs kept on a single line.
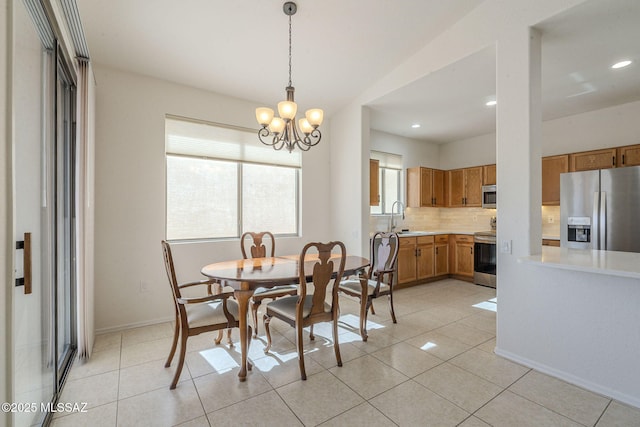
[[579, 229]]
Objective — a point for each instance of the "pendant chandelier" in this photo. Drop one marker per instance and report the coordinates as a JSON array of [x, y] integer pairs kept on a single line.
[[282, 132]]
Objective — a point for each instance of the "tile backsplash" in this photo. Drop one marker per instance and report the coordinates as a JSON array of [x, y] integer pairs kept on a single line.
[[457, 219], [424, 219], [551, 220]]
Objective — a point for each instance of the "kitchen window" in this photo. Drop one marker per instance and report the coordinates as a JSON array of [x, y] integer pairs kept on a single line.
[[389, 181], [221, 182]]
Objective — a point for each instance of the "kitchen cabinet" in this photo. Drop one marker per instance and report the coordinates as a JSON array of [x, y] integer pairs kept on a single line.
[[441, 256], [551, 242], [462, 256], [465, 187], [590, 160], [425, 187], [407, 260], [552, 167], [374, 182], [422, 257], [628, 156], [489, 175]]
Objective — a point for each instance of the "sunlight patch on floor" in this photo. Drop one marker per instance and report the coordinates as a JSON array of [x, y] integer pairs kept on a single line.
[[219, 359]]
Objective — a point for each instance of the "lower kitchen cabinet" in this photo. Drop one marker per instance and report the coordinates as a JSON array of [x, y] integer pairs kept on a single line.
[[422, 257], [441, 256], [407, 260], [462, 255]]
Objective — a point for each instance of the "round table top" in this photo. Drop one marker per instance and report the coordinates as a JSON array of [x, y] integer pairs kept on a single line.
[[271, 271]]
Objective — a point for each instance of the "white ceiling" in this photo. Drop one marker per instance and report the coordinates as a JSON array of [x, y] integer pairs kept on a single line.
[[340, 48]]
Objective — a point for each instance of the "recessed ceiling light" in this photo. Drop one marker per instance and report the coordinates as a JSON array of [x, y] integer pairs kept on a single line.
[[491, 103], [621, 64], [415, 125]]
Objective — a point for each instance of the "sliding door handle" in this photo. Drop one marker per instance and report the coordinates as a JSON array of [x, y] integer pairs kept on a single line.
[[26, 280]]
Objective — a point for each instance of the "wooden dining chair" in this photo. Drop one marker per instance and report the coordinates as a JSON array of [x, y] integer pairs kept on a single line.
[[213, 311], [258, 249], [378, 280], [307, 309]]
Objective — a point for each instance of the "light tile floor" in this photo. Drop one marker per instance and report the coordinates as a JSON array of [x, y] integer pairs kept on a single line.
[[436, 366]]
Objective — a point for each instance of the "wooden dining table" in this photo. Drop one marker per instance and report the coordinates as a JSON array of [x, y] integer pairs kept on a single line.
[[247, 275]]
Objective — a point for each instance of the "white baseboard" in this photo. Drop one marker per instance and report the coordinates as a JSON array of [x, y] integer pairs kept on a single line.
[[134, 325], [572, 379]]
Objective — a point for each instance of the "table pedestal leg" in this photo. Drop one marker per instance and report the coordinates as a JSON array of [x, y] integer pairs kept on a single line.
[[243, 307]]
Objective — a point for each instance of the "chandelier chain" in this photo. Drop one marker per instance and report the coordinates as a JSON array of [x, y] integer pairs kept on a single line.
[[290, 51]]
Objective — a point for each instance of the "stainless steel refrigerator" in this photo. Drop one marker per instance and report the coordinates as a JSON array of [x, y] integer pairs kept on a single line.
[[600, 209]]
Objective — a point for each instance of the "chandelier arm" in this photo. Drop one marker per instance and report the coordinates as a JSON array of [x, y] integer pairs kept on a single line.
[[264, 133], [313, 138]]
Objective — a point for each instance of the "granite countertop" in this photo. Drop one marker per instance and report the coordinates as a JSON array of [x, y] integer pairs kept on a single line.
[[550, 237], [624, 264]]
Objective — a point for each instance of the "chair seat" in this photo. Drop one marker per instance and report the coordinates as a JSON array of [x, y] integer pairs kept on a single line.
[[286, 307], [275, 291], [353, 285], [205, 314]]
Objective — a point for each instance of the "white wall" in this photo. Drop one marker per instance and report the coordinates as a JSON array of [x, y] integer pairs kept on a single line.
[[414, 152], [609, 127], [130, 194], [578, 326], [350, 178], [476, 151]]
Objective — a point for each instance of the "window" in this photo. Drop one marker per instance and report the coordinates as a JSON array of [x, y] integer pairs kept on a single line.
[[390, 181], [221, 182]]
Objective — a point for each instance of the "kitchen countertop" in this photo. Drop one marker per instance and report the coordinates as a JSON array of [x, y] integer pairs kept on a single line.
[[612, 263], [434, 232], [550, 237]]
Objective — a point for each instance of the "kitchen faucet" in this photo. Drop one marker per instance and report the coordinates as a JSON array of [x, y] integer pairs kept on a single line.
[[399, 203]]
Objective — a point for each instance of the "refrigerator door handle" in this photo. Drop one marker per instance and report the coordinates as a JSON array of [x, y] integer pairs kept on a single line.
[[595, 233], [602, 218]]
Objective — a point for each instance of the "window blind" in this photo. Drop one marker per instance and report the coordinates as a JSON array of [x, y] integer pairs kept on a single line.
[[201, 139], [387, 160]]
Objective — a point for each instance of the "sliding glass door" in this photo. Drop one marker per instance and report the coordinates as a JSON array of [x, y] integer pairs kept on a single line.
[[43, 143], [33, 368]]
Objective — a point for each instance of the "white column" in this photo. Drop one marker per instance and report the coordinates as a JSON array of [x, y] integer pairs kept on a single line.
[[519, 164]]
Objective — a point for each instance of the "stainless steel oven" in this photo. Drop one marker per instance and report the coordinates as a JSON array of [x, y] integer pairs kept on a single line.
[[484, 258]]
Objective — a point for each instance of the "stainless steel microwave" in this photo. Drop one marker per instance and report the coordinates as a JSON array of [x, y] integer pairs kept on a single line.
[[489, 196]]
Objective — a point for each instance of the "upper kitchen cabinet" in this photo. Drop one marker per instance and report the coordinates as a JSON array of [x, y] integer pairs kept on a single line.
[[465, 187], [629, 156], [489, 175], [590, 160], [374, 182], [552, 167], [425, 187]]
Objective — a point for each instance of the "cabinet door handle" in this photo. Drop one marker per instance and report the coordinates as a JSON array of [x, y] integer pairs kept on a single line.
[[471, 251], [614, 160], [623, 159], [436, 251]]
